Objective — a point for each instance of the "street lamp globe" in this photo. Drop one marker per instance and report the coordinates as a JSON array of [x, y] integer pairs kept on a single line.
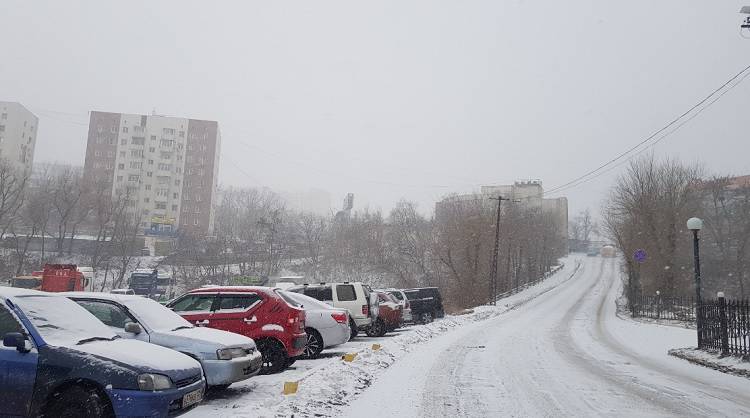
[[695, 224]]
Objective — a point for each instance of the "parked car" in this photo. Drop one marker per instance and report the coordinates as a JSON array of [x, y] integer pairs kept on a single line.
[[426, 303], [226, 357], [122, 292], [354, 297], [261, 313], [389, 315], [400, 297], [325, 325], [59, 360]]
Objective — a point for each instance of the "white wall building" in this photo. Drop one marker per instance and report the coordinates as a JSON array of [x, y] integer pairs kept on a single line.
[[18, 128]]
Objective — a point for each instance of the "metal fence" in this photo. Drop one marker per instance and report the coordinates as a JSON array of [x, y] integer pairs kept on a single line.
[[663, 307], [725, 326]]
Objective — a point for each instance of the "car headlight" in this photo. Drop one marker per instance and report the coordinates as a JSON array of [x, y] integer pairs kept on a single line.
[[230, 353], [151, 382]]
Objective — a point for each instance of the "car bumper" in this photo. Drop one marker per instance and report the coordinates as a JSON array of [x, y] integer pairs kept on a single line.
[[336, 335], [362, 322], [406, 316], [139, 403], [297, 345], [225, 372]]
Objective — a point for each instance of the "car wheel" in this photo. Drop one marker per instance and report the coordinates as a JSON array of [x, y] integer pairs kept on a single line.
[[77, 401], [354, 329], [314, 343], [426, 317], [274, 356], [377, 329]]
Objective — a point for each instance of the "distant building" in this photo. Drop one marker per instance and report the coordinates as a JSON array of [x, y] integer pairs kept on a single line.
[[167, 166], [527, 194], [18, 129]]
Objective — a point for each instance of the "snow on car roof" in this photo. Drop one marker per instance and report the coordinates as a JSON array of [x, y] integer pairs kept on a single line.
[[7, 292]]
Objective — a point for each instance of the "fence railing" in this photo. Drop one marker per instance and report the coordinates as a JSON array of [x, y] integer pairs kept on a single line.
[[664, 307], [725, 326]]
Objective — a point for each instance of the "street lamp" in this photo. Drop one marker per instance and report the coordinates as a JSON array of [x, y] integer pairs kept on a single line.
[[695, 225]]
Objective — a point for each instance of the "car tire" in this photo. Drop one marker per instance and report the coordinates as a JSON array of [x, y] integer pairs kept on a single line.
[[354, 329], [274, 356], [426, 317], [78, 402], [377, 329], [314, 345]]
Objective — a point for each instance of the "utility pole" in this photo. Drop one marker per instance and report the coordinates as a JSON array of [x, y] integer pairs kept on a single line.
[[493, 266]]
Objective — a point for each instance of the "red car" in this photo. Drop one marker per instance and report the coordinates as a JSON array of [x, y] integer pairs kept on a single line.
[[389, 315], [261, 313]]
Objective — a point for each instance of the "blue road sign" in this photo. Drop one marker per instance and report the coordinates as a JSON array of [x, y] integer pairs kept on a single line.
[[639, 255]]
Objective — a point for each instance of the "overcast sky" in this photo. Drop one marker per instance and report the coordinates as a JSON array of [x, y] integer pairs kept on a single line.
[[391, 99]]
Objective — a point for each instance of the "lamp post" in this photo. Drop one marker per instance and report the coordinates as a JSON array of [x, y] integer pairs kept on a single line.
[[695, 225]]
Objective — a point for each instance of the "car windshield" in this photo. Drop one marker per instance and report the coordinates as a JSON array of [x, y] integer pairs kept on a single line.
[[155, 315], [62, 322], [306, 301]]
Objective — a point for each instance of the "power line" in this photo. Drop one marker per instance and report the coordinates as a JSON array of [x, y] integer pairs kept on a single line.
[[577, 180]]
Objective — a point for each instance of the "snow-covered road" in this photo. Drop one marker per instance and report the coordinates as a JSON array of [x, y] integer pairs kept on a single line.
[[564, 353]]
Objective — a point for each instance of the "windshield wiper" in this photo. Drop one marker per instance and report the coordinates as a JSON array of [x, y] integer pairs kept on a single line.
[[88, 340], [183, 327]]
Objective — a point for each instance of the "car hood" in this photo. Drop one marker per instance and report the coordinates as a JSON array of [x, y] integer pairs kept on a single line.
[[199, 341], [142, 356]]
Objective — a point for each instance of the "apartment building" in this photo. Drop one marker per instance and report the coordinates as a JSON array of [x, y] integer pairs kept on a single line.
[[18, 128], [166, 167]]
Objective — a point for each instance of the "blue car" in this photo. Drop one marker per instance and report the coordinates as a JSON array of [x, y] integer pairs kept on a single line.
[[59, 360]]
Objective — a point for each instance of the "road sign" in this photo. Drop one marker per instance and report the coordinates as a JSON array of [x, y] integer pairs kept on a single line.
[[639, 255]]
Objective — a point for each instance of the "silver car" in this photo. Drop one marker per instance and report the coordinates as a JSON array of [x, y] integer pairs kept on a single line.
[[226, 357], [325, 326]]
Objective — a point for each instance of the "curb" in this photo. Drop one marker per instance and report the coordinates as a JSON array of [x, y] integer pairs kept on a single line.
[[687, 354]]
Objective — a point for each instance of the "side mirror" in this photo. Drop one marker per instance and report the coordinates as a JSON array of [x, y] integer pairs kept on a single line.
[[16, 340], [133, 328]]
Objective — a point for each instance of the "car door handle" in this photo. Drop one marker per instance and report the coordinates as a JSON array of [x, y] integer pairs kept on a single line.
[[250, 320], [204, 322]]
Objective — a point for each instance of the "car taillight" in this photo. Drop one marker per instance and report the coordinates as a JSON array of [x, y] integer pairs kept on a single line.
[[297, 317], [339, 317], [365, 310], [408, 305]]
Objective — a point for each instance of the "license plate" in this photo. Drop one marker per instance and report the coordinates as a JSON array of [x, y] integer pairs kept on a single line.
[[192, 398]]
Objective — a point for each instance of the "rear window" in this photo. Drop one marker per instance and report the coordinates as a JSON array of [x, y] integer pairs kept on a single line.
[[319, 292], [397, 295], [238, 302], [346, 293], [288, 298]]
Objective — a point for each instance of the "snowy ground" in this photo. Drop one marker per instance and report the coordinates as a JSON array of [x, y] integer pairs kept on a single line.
[[328, 385], [564, 353]]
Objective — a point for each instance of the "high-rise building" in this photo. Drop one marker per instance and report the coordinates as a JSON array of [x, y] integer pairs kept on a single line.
[[18, 127], [166, 166]]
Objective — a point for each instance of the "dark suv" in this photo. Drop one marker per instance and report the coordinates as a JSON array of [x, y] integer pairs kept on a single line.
[[426, 303]]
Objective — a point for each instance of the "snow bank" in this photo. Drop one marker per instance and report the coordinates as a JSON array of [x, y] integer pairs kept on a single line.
[[326, 389], [713, 360]]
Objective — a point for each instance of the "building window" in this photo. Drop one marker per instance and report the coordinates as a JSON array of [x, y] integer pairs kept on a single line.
[[168, 131], [151, 149], [136, 153], [121, 166], [4, 116], [178, 170], [146, 200], [153, 137], [149, 173], [99, 140], [166, 155], [124, 141], [2, 128], [113, 129], [161, 205], [177, 182], [148, 187], [165, 167], [166, 143], [134, 177], [112, 141], [99, 128], [182, 134], [119, 178], [124, 129], [195, 222], [150, 162], [97, 153], [174, 208], [174, 195], [138, 140], [136, 165]]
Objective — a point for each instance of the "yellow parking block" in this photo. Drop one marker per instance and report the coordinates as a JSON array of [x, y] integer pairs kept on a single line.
[[376, 347], [290, 388], [349, 357]]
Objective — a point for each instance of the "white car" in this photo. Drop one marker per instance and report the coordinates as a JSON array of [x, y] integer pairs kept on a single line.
[[325, 326], [400, 297], [226, 357], [352, 296]]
